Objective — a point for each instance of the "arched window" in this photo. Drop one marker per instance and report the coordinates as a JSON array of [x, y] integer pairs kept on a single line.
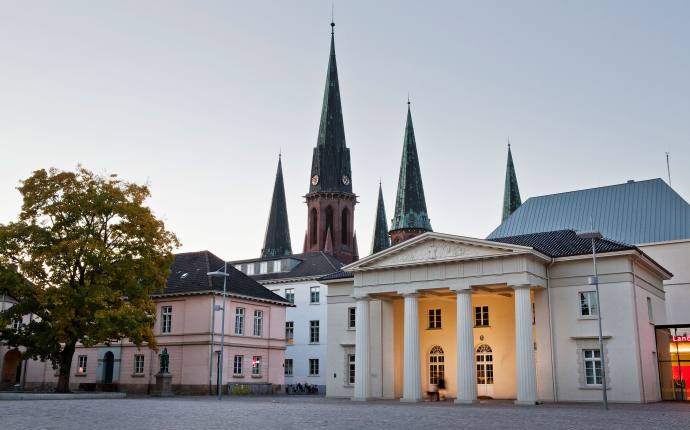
[[485, 365], [313, 225], [329, 222], [436, 364], [344, 223]]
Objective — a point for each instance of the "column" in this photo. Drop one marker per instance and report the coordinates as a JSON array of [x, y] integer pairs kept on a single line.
[[412, 390], [524, 347], [466, 371], [362, 370]]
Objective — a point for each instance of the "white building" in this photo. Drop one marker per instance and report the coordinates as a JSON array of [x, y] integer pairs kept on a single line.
[[296, 278], [513, 320]]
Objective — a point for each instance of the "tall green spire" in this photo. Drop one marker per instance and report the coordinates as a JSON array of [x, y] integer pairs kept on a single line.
[[410, 204], [277, 240], [330, 168], [511, 193], [381, 240]]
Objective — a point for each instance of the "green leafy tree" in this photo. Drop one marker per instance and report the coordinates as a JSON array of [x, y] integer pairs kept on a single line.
[[90, 254]]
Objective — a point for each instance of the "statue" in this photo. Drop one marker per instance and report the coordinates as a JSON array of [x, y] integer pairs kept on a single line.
[[165, 361]]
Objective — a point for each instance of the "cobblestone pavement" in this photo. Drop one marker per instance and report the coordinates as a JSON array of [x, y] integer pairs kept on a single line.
[[309, 412]]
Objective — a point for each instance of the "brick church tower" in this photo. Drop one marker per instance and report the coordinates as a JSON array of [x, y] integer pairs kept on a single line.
[[330, 201]]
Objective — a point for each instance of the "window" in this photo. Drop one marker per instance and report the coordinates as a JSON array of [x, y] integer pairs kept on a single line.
[[313, 367], [250, 269], [592, 359], [588, 304], [650, 310], [238, 267], [434, 318], [351, 317], [263, 267], [239, 321], [17, 323], [534, 314], [139, 364], [82, 360], [481, 316], [344, 225], [350, 369], [166, 319], [313, 332], [237, 365], [289, 330], [288, 367], [436, 365], [314, 295], [256, 365], [290, 295], [258, 323]]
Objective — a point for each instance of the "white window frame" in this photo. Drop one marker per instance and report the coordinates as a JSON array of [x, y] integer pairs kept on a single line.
[[289, 329], [351, 318], [16, 324], [166, 319], [250, 268], [239, 321], [256, 365], [434, 318], [481, 316], [314, 365], [589, 356], [588, 299], [314, 331], [138, 368], [82, 363], [263, 267], [289, 367], [237, 364], [258, 322], [351, 369], [314, 293], [290, 295]]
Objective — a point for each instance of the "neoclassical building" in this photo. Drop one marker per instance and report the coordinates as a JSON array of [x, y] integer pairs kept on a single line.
[[509, 319]]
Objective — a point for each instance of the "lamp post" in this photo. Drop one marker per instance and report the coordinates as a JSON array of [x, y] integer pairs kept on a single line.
[[224, 274], [593, 236]]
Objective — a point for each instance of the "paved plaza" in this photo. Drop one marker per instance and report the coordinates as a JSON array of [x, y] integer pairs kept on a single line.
[[309, 412]]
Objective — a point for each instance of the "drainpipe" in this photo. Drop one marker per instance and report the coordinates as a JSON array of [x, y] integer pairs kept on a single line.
[[637, 334], [554, 379]]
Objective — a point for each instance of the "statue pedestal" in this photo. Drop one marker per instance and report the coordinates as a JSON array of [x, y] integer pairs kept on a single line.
[[163, 385]]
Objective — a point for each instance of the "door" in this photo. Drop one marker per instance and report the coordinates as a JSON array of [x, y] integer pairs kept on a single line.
[[108, 363], [485, 371]]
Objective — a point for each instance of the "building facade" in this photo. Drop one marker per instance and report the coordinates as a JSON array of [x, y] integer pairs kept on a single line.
[[190, 331], [496, 320]]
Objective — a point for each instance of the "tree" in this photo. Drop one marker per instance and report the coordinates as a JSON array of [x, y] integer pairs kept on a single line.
[[90, 254]]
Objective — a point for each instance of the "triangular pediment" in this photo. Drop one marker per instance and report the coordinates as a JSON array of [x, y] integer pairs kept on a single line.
[[434, 248]]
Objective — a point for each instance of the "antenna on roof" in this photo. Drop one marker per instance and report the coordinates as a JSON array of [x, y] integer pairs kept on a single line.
[[668, 169]]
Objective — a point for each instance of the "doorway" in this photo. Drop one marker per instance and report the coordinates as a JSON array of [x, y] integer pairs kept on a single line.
[[11, 368], [108, 364], [485, 371]]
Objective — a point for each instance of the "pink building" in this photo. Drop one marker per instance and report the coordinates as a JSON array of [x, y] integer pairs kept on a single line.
[[254, 338]]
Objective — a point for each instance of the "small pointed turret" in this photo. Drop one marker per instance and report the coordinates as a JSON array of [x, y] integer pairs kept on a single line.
[[277, 240], [381, 240], [410, 217], [511, 192]]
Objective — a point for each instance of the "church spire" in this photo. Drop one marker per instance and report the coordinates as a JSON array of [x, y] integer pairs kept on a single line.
[[330, 169], [410, 217], [511, 193], [277, 240], [381, 240]]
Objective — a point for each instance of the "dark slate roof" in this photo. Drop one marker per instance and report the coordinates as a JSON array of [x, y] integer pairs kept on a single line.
[[381, 239], [309, 265], [563, 243], [331, 158], [337, 275], [277, 239], [511, 192], [188, 274], [410, 204], [634, 212]]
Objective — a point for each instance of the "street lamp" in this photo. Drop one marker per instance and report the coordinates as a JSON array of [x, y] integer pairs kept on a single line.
[[594, 280], [224, 274]]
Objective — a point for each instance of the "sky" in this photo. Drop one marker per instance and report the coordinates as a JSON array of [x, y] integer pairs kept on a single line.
[[196, 99]]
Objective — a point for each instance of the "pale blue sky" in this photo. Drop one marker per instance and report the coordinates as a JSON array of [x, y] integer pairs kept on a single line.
[[197, 98]]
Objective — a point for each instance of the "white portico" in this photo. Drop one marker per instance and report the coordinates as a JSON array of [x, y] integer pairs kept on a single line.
[[480, 316]]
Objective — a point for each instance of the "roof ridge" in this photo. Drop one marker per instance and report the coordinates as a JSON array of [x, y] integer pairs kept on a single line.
[[599, 187]]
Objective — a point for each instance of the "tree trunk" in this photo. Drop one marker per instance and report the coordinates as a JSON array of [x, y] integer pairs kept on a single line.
[[64, 366]]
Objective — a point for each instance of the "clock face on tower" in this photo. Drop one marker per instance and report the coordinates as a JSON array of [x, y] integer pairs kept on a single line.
[[315, 180], [346, 180]]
